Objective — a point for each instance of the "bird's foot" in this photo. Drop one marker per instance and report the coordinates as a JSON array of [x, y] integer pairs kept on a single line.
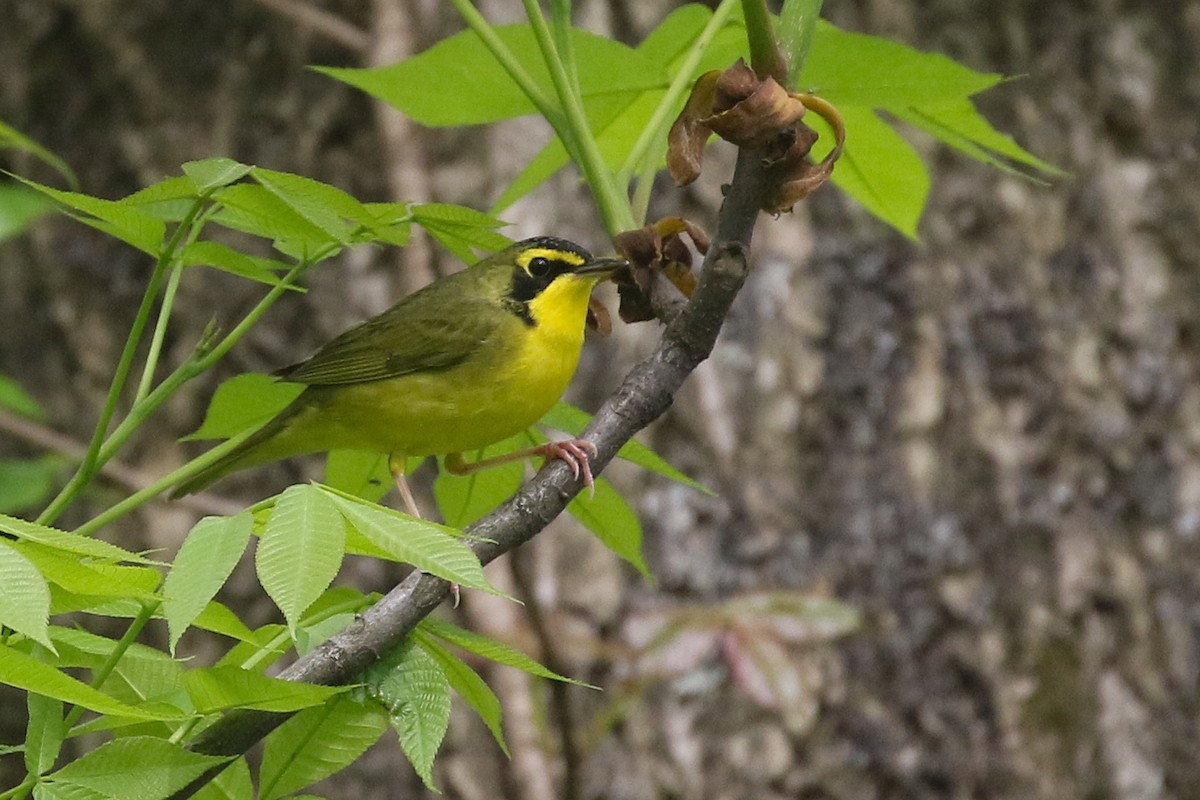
[[577, 453]]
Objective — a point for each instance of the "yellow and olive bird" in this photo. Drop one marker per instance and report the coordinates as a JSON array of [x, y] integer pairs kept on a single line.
[[471, 359]]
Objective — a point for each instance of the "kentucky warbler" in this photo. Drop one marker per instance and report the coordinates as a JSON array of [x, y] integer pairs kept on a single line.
[[471, 359]]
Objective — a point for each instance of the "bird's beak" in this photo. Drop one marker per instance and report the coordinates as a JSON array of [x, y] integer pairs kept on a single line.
[[602, 267]]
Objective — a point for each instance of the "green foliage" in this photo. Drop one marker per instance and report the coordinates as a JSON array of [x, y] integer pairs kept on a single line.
[[610, 106]]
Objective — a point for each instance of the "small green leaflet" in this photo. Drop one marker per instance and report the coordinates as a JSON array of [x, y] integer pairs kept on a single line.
[[491, 649], [301, 549], [19, 207], [68, 542], [11, 138], [233, 783], [413, 688], [316, 743], [606, 514], [125, 222], [45, 734], [24, 596], [204, 562], [136, 768], [213, 173], [17, 400], [468, 685], [426, 545]]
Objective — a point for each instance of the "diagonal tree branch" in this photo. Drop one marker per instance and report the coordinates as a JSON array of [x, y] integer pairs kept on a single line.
[[645, 394]]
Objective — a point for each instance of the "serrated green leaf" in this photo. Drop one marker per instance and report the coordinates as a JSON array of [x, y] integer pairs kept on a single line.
[[226, 259], [24, 596], [242, 403], [17, 400], [215, 689], [414, 689], [566, 417], [67, 542], [127, 223], [301, 549], [260, 650], [142, 674], [319, 203], [606, 514], [882, 171], [429, 547], [463, 69], [19, 207], [217, 618], [25, 484], [26, 672], [176, 187], [461, 230], [44, 734], [233, 783], [66, 791], [204, 562], [91, 578], [213, 173], [359, 473], [253, 209], [491, 649], [463, 499], [316, 743], [470, 687], [136, 768]]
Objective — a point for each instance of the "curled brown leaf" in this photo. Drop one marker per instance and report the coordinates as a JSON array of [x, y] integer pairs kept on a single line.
[[651, 250]]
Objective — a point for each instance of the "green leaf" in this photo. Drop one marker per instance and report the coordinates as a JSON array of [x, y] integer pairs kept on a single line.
[[244, 402], [797, 25], [127, 223], [301, 549], [609, 517], [67, 542], [204, 562], [319, 203], [45, 733], [461, 229], [215, 689], [142, 674], [490, 649], [469, 686], [463, 499], [459, 82], [566, 417], [316, 743], [226, 259], [429, 547], [882, 171], [413, 688], [91, 578], [854, 69], [217, 618], [66, 791], [25, 484], [11, 138], [26, 672], [24, 596], [959, 124], [213, 173], [359, 473], [233, 783], [136, 768], [255, 210], [17, 400], [19, 207]]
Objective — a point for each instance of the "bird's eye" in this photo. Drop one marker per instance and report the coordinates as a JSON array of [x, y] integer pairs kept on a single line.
[[539, 267]]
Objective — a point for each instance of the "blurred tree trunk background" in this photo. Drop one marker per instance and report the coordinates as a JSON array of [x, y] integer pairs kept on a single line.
[[988, 443]]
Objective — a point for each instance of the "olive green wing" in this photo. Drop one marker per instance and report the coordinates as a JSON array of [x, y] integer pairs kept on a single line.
[[408, 338]]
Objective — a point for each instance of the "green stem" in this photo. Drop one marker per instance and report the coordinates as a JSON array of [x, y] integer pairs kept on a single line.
[[661, 119], [164, 309], [641, 192], [560, 13], [765, 57], [797, 23], [91, 464], [613, 204], [147, 611]]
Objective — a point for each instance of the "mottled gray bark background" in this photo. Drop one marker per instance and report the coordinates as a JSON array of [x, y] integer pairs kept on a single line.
[[988, 443]]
